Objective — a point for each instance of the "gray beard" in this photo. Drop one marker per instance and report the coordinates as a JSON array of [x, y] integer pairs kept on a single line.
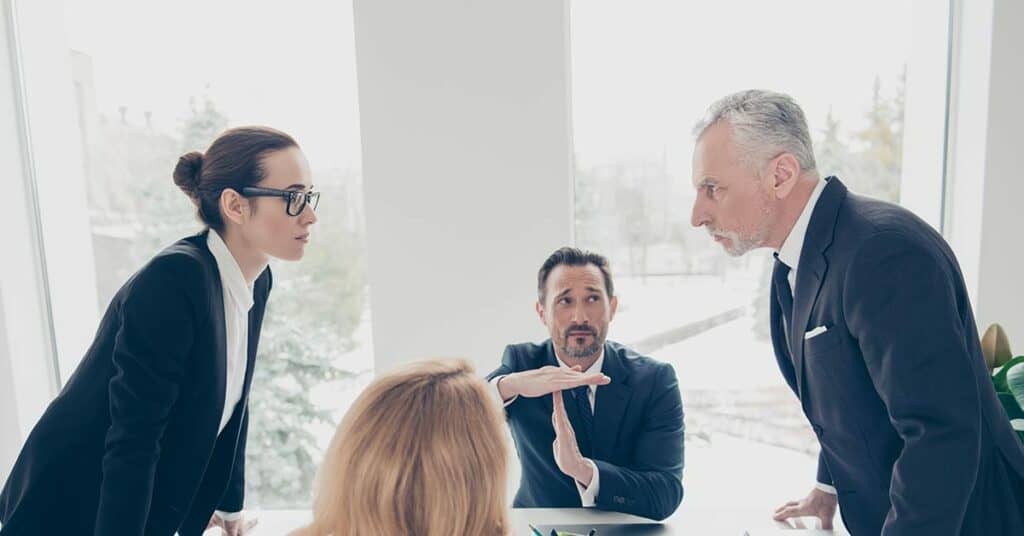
[[575, 352]]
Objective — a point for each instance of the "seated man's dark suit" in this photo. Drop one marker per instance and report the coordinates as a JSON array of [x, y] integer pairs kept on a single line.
[[637, 435]]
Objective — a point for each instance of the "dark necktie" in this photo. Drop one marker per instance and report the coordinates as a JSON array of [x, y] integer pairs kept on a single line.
[[585, 430], [780, 278]]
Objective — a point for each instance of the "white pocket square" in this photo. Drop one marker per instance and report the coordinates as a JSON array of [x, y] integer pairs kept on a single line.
[[815, 332]]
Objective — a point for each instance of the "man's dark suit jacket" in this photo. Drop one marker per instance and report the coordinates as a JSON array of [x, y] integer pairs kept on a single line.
[[912, 435], [638, 435], [130, 445]]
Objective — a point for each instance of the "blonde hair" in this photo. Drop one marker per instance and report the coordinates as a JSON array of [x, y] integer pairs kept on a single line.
[[421, 452]]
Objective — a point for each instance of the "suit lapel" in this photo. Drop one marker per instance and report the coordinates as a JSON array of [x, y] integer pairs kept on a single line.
[[567, 398], [610, 403], [548, 358], [782, 352], [808, 283], [812, 269]]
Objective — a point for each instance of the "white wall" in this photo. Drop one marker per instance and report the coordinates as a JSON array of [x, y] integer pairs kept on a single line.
[[1000, 282], [987, 160], [465, 118]]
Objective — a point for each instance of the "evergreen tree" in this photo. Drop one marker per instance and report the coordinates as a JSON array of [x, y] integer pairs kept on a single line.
[[316, 305], [881, 157]]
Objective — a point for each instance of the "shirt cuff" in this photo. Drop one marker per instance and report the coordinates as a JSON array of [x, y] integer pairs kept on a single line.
[[497, 393], [228, 516], [826, 488], [588, 495]]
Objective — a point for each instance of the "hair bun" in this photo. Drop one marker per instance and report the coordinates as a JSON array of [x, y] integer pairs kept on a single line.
[[186, 173]]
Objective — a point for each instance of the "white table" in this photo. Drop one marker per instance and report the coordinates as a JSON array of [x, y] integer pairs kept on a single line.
[[686, 521]]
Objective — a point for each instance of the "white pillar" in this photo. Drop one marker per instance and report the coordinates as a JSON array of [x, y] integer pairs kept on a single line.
[[465, 119], [987, 160]]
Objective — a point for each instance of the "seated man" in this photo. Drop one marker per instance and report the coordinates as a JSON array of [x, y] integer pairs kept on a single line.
[[595, 423]]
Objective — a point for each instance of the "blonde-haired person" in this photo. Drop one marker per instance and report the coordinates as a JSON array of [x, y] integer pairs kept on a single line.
[[422, 451]]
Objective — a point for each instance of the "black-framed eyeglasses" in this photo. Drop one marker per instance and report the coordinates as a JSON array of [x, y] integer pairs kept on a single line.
[[297, 200]]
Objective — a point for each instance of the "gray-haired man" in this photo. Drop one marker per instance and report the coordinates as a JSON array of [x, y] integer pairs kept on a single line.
[[872, 329]]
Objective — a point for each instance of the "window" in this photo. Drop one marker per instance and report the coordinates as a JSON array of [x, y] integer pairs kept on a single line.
[[153, 81], [643, 74]]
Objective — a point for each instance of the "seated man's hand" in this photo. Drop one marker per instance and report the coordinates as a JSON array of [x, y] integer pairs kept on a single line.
[[819, 504], [567, 452], [547, 380], [234, 527]]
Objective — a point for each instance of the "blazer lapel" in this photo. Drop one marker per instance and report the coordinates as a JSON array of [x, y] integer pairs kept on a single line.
[[255, 324], [812, 269], [219, 339], [610, 403]]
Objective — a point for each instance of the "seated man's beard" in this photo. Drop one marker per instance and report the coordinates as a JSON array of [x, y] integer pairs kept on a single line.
[[580, 352]]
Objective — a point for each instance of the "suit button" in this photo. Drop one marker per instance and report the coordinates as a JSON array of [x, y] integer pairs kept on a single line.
[[817, 430]]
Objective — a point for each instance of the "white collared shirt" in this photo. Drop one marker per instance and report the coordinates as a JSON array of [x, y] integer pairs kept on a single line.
[[588, 495], [793, 246], [789, 254], [238, 299], [595, 367]]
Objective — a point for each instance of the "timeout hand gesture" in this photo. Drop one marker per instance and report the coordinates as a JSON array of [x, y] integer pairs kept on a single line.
[[547, 380]]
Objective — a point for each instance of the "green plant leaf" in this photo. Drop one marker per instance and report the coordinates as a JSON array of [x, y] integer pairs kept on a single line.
[[1011, 406], [1015, 381], [999, 379]]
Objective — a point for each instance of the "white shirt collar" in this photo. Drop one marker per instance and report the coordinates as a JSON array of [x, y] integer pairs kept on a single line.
[[791, 248], [230, 273], [596, 367]]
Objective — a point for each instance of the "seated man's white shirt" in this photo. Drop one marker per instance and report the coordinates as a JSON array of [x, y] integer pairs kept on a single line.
[[588, 495]]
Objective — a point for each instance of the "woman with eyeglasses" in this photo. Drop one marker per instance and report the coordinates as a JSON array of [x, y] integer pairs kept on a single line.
[[148, 435]]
